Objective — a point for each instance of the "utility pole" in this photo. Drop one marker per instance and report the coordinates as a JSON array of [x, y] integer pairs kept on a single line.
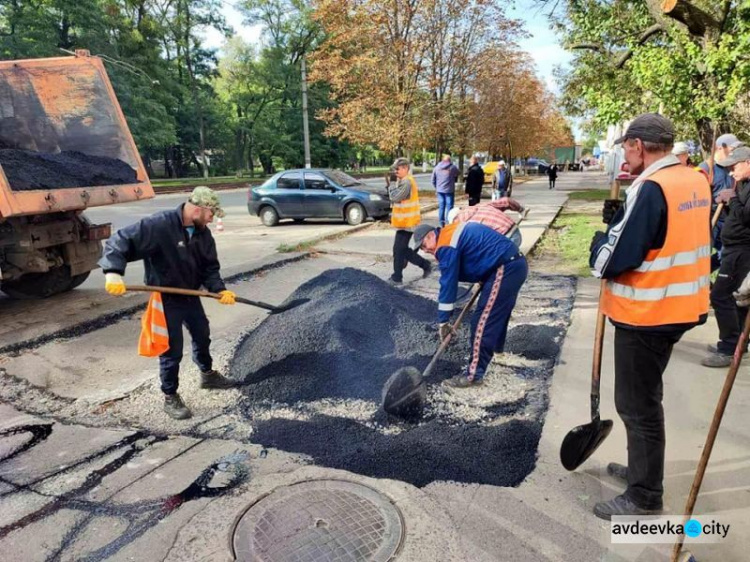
[[305, 126]]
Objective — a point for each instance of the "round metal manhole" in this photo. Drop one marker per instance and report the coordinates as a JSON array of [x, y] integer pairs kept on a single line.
[[319, 521]]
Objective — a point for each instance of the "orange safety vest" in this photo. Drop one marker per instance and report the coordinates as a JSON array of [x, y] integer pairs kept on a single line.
[[154, 339], [671, 286], [406, 213]]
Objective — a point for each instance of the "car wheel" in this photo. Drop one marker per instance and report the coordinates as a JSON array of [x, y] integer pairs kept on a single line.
[[269, 216], [355, 214]]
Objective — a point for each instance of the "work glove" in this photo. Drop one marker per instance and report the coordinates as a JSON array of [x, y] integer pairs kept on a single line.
[[725, 195], [611, 206], [742, 295], [444, 330], [598, 237], [227, 297], [114, 284]]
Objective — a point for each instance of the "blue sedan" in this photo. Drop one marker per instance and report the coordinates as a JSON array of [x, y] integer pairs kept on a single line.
[[319, 194]]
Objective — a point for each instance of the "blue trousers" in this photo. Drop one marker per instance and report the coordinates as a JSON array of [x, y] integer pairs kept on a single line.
[[445, 204], [187, 311], [489, 324]]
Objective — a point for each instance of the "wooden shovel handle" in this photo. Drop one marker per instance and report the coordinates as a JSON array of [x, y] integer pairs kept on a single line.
[[172, 291]]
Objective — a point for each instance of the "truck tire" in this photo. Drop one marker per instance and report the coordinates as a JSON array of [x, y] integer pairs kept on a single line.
[[77, 280], [41, 285]]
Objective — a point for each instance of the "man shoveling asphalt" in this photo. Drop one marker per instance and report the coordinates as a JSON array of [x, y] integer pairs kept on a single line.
[[178, 251], [475, 253]]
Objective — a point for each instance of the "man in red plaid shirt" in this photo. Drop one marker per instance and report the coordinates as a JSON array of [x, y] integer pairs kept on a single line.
[[490, 214]]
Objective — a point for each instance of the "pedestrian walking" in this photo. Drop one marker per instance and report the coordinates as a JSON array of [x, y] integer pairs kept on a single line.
[[475, 253], [500, 181], [444, 177], [405, 216], [722, 181], [474, 182], [655, 259], [178, 250], [735, 258], [552, 175]]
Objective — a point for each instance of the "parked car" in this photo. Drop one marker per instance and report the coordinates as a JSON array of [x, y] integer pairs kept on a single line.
[[317, 194], [541, 165]]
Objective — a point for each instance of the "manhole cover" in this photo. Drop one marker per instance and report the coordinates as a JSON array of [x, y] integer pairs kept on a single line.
[[319, 521]]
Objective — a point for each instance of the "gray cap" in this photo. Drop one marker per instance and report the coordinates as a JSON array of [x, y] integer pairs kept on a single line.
[[401, 162], [649, 127], [729, 140], [739, 154], [420, 233], [680, 148]]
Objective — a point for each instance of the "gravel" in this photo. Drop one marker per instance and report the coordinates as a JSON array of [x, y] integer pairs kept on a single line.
[[27, 170]]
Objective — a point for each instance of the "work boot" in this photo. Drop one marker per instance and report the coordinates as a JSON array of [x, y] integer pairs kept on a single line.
[[621, 506], [175, 407], [717, 360], [395, 281], [213, 379], [462, 381], [427, 270], [618, 470]]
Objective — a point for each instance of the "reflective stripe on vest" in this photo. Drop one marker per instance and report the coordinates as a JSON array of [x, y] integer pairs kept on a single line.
[[406, 213], [671, 285], [154, 338]]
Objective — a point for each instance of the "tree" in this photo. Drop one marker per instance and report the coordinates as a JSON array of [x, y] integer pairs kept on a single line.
[[685, 58]]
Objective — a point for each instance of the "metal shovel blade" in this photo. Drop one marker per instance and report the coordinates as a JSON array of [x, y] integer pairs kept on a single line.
[[581, 442], [404, 393]]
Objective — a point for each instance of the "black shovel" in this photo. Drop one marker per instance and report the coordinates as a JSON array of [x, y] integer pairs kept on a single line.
[[191, 293], [581, 442]]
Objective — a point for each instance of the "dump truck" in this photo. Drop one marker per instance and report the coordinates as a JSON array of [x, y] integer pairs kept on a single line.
[[64, 147]]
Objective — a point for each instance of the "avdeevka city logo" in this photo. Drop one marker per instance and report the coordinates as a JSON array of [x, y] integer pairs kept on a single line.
[[693, 528]]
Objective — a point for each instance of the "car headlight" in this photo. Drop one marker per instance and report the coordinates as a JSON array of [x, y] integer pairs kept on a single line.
[[375, 197]]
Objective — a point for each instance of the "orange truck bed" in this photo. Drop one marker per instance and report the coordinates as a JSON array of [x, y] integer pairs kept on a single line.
[[65, 104]]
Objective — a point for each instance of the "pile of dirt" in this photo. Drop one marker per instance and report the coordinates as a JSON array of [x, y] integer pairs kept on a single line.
[[28, 170], [315, 374]]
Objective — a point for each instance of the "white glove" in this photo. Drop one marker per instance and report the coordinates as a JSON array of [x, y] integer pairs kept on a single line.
[[742, 296]]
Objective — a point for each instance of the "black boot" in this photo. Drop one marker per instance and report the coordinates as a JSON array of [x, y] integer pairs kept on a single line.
[[212, 379], [175, 407]]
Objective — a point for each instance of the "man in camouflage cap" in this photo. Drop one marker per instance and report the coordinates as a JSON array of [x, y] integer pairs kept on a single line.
[[178, 250]]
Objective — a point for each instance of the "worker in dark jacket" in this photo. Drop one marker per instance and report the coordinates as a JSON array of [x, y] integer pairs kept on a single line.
[[178, 250], [475, 253], [474, 182], [735, 258], [655, 257]]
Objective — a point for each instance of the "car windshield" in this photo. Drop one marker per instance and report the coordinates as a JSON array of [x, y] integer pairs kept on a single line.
[[342, 179]]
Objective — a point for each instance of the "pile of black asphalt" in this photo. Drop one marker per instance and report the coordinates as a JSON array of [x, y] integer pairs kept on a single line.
[[341, 347], [28, 170]]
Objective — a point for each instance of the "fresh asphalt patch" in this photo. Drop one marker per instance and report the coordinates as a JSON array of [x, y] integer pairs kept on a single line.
[[314, 376]]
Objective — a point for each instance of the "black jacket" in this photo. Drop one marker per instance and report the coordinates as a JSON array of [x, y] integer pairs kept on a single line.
[[171, 258], [736, 231], [474, 181]]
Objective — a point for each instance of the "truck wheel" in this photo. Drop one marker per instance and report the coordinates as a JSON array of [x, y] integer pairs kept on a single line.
[[40, 285], [77, 280]]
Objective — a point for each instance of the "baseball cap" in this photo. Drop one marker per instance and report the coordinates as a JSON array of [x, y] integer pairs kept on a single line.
[[728, 139], [400, 162], [649, 127], [203, 196], [680, 148], [739, 154], [420, 233]]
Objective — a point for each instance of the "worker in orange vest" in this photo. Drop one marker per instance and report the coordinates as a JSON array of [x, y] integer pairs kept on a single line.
[[178, 250], [655, 258], [405, 216]]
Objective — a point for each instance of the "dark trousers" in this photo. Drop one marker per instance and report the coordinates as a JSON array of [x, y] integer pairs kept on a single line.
[[489, 324], [552, 183], [474, 199], [640, 361], [735, 265], [445, 204], [402, 254], [186, 311]]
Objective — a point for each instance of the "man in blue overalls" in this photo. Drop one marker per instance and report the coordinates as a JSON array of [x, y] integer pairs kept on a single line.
[[475, 253]]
